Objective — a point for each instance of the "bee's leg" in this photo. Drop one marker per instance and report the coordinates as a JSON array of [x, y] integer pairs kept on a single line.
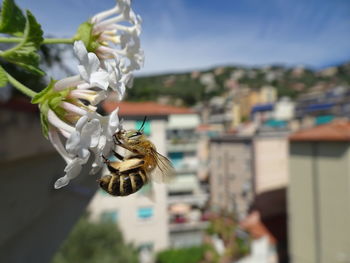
[[110, 168], [120, 157], [125, 146], [116, 140], [105, 160]]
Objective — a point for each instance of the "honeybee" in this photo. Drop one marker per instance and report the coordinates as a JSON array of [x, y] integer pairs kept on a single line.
[[141, 165]]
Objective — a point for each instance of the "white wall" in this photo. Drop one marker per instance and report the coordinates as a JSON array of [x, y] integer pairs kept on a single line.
[[271, 163]]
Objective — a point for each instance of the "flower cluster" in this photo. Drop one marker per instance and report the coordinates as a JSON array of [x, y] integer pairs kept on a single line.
[[68, 106], [117, 39]]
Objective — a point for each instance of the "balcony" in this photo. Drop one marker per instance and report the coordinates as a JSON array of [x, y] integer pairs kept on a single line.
[[197, 199], [183, 167], [188, 226], [182, 147]]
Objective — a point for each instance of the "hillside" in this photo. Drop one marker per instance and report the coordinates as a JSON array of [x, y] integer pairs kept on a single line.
[[189, 88]]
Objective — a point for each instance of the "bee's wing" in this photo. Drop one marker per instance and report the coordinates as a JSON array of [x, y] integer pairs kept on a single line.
[[164, 170]]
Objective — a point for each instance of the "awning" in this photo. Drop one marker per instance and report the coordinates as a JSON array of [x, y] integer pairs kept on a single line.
[[184, 183], [180, 209], [263, 107], [183, 121]]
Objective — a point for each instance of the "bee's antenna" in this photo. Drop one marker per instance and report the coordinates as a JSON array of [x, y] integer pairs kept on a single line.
[[143, 123]]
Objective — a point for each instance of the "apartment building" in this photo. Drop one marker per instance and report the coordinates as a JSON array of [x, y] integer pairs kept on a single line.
[[144, 216], [250, 175], [231, 174], [319, 194], [186, 197]]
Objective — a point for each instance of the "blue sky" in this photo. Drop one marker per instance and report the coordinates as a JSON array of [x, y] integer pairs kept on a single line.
[[183, 35]]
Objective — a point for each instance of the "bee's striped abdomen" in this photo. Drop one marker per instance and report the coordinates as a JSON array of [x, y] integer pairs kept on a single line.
[[138, 179], [114, 185], [132, 182]]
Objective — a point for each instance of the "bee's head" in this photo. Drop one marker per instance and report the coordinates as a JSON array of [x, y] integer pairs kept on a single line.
[[134, 135], [104, 182]]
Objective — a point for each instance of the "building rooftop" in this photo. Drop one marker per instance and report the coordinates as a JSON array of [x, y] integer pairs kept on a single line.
[[19, 104], [144, 108], [338, 130]]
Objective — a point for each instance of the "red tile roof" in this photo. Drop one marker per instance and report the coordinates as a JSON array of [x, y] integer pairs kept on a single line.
[[143, 108], [338, 130], [19, 104]]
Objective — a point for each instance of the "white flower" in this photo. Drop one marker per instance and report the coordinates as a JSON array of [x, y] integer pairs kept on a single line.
[[89, 67], [68, 108], [92, 133], [116, 79], [74, 165], [94, 97], [109, 126], [119, 35], [61, 125], [85, 136], [72, 170]]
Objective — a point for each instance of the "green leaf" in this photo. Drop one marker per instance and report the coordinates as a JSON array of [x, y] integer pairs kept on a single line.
[[3, 77], [25, 53], [33, 31], [12, 20]]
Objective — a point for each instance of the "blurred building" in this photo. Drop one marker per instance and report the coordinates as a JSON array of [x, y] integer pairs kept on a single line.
[[249, 175], [322, 104], [236, 107], [270, 162], [186, 198], [272, 116], [319, 194], [267, 94], [231, 175]]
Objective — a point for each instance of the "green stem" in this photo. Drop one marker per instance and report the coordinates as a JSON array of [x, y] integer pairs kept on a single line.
[[46, 40], [27, 91], [10, 40], [58, 41]]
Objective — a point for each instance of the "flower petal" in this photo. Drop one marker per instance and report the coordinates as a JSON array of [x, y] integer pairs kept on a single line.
[[72, 170], [81, 52], [57, 143]]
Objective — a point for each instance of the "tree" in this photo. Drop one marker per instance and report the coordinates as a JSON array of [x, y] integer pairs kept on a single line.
[[95, 242]]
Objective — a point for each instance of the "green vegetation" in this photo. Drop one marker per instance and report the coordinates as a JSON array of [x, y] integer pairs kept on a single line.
[[187, 88], [188, 255], [95, 243], [224, 227]]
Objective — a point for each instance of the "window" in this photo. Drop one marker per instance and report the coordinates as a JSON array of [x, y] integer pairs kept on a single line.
[[145, 212], [109, 216], [146, 246], [176, 158], [146, 252], [146, 127]]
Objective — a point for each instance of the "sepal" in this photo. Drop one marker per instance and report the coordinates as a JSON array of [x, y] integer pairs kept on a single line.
[[84, 33], [3, 77]]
